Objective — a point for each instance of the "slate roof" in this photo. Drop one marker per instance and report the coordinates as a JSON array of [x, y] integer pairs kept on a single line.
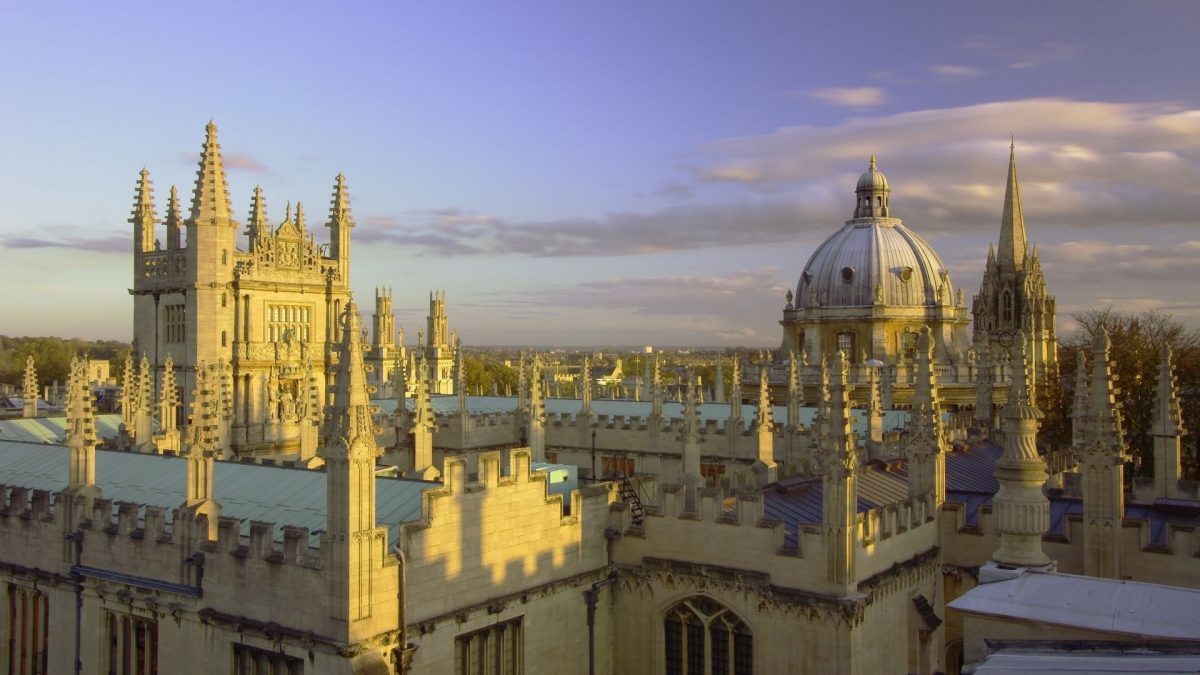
[[52, 429], [284, 496]]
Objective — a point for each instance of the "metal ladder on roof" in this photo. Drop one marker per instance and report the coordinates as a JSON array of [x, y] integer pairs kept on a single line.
[[630, 497]]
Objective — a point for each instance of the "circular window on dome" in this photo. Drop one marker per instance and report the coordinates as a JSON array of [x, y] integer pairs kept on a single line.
[[905, 274], [847, 274]]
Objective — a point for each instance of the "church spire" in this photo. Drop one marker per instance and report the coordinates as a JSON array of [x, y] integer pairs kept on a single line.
[[1013, 244], [143, 216], [210, 199]]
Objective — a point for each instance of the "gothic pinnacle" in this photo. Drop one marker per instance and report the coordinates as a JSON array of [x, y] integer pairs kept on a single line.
[[1013, 244], [210, 199]]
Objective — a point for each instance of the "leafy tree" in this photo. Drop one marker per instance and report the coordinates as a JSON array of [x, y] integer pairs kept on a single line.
[[1136, 343]]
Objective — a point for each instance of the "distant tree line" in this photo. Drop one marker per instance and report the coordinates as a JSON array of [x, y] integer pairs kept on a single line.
[[484, 371], [52, 357]]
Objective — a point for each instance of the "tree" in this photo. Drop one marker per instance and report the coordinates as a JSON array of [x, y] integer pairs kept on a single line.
[[1136, 343]]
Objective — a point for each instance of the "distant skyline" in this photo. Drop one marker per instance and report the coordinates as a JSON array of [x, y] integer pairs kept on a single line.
[[593, 173]]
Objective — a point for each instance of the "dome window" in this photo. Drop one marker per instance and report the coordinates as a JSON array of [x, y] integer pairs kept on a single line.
[[806, 277], [848, 274], [905, 274]]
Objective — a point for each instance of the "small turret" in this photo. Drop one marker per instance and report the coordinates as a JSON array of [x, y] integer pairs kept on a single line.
[[1166, 429], [764, 426], [926, 453], [537, 412], [29, 390], [719, 383], [795, 395], [423, 423], [174, 220], [340, 224], [838, 461], [257, 225], [144, 216], [1103, 468], [872, 194], [81, 439], [383, 322], [202, 448], [585, 387]]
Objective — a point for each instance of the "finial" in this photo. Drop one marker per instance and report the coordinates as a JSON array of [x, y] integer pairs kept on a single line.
[[873, 162], [1012, 141]]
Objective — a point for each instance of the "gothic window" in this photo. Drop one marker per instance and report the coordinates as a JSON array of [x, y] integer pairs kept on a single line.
[[1006, 308], [845, 343], [908, 346], [28, 631], [175, 322], [284, 318], [132, 645], [495, 650], [701, 636], [249, 660]]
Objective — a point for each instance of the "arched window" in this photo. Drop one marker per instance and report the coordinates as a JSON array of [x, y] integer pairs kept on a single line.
[[845, 343], [701, 636], [1006, 312]]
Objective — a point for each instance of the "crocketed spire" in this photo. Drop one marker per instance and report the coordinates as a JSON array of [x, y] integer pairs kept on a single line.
[[349, 428], [144, 215], [210, 199], [174, 221], [1013, 243]]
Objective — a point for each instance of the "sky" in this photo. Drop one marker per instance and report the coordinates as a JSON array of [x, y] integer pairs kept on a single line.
[[606, 173]]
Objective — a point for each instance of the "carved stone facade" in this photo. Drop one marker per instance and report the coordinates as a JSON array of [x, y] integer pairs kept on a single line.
[[269, 312]]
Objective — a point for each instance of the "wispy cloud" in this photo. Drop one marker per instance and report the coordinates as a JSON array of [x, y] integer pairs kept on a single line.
[[952, 72], [850, 97], [111, 244], [1011, 48]]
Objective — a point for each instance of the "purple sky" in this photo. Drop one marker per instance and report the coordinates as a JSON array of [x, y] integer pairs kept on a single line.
[[607, 172]]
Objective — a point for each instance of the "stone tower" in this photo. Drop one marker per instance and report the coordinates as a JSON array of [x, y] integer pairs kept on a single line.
[[266, 309], [439, 348], [1013, 297]]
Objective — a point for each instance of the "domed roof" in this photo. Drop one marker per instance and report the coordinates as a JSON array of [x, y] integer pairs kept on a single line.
[[874, 260], [873, 178]]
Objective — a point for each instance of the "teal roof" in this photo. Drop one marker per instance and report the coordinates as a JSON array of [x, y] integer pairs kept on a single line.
[[52, 429], [280, 495], [446, 404]]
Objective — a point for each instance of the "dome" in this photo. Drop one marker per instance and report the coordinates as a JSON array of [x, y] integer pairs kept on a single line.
[[873, 179], [847, 269], [874, 259]]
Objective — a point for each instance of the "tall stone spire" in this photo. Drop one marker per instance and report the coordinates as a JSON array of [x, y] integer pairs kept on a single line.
[[173, 220], [764, 426], [691, 433], [168, 438], [81, 440], [1103, 467], [1079, 406], [1022, 510], [656, 390], [537, 412], [210, 198], [143, 416], [129, 395], [352, 543], [202, 448], [144, 216], [926, 452], [585, 386], [719, 383], [838, 461], [257, 225], [733, 423], [29, 390], [1166, 429], [340, 223], [1013, 244], [423, 423], [460, 378], [795, 395]]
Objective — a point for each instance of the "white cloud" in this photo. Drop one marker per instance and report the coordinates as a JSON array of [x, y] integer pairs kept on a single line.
[[956, 72], [850, 97]]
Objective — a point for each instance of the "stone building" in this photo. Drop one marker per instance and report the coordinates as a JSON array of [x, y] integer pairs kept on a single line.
[[871, 286], [726, 538]]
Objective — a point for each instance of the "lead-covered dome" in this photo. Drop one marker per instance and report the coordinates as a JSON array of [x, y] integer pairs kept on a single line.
[[874, 259]]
